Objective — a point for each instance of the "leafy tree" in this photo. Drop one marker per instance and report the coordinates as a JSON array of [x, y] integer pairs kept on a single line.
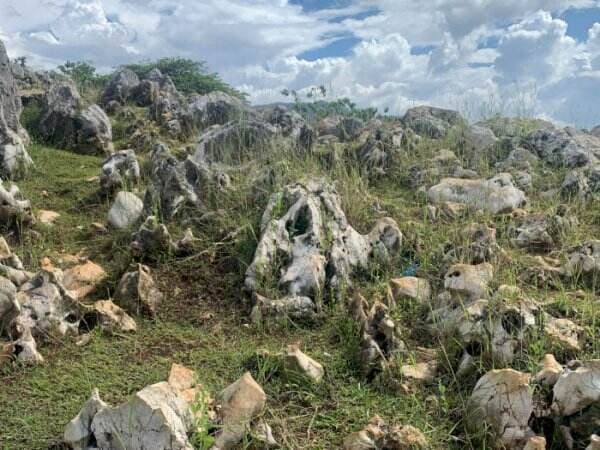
[[83, 74], [188, 75]]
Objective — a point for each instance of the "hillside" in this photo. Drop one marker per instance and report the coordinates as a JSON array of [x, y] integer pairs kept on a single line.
[[386, 283]]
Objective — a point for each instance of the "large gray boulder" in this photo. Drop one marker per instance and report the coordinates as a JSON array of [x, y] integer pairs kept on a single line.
[[67, 123], [432, 122], [216, 108], [567, 147], [496, 195], [120, 87], [14, 159]]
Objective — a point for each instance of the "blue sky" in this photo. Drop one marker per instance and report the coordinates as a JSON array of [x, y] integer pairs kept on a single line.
[[541, 57]]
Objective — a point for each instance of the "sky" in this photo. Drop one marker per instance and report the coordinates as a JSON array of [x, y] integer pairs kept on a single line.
[[513, 57]]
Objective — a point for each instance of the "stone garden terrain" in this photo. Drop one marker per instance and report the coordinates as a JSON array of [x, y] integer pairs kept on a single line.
[[185, 271]]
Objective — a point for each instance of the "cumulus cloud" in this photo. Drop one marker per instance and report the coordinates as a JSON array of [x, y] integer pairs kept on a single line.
[[474, 55]]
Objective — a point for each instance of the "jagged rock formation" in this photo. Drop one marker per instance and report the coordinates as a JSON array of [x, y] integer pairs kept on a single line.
[[120, 87], [67, 123], [307, 245], [216, 108], [432, 122], [567, 147], [120, 170], [14, 159], [496, 195]]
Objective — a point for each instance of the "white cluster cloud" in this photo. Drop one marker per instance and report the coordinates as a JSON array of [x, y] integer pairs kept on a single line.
[[532, 65]]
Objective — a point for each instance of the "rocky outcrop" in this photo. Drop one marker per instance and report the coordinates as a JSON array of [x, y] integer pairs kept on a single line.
[[432, 122], [120, 87], [216, 108], [168, 107], [496, 195], [14, 159], [567, 147], [308, 244], [291, 125], [119, 171], [67, 123]]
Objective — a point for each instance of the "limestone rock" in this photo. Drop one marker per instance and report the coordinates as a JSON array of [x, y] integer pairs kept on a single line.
[[82, 279], [404, 437], [496, 195], [577, 389], [67, 123], [550, 371], [502, 400], [239, 404], [283, 309], [120, 87], [125, 211], [583, 259], [297, 362], [567, 147], [432, 122], [14, 208], [292, 125], [541, 232], [535, 443], [78, 434], [151, 239], [120, 171], [25, 349], [298, 236], [137, 292], [47, 217], [111, 318], [215, 108], [594, 439], [411, 287], [367, 437], [469, 280], [9, 307], [156, 417]]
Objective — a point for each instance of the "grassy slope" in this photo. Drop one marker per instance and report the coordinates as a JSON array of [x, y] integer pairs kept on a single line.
[[203, 325]]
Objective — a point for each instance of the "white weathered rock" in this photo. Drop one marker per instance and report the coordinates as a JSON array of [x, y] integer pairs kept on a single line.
[[14, 208], [299, 363], [156, 418], [78, 434], [125, 211], [502, 400], [496, 195], [312, 234], [25, 348], [239, 403], [120, 171], [470, 281], [577, 389]]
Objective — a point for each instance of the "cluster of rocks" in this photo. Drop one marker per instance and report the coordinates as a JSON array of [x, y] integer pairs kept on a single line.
[[506, 404], [167, 414]]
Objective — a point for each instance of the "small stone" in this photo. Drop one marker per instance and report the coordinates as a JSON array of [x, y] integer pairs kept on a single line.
[[81, 280], [47, 217], [137, 292], [113, 319], [420, 372], [411, 287], [470, 281], [125, 211], [404, 437], [298, 362], [550, 371]]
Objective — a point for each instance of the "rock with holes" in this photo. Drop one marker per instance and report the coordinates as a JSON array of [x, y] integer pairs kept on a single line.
[[216, 108], [502, 400], [237, 406], [296, 362], [496, 195], [469, 281], [78, 432], [47, 308], [151, 239], [138, 293], [125, 211], [156, 417], [577, 388], [308, 244], [413, 288], [67, 123], [432, 122], [120, 171], [82, 279], [541, 232], [567, 147], [25, 348], [14, 208]]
